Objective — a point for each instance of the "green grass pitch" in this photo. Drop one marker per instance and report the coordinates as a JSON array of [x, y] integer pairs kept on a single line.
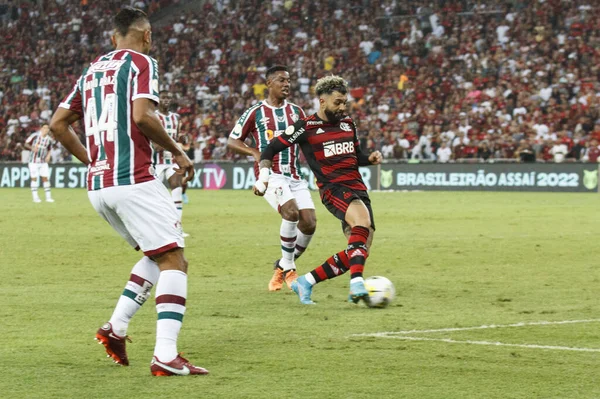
[[457, 260]]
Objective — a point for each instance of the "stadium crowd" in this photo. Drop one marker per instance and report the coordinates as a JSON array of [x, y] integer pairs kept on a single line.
[[438, 81]]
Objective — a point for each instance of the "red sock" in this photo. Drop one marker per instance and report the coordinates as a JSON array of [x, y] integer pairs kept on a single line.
[[357, 250], [332, 267]]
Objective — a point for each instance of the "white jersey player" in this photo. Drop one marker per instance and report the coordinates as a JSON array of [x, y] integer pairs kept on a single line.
[[164, 167], [39, 144]]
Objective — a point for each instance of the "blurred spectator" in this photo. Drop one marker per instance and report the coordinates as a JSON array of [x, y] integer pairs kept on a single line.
[[559, 151], [592, 152], [525, 151], [444, 153]]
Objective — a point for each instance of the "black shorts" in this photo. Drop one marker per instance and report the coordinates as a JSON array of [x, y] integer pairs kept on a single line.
[[337, 198]]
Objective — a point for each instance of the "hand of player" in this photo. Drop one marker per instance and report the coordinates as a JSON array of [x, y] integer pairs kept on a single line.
[[375, 158], [261, 189], [186, 167]]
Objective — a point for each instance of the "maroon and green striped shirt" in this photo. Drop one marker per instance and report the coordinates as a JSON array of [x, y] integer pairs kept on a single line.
[[171, 124], [119, 152], [40, 145], [263, 122]]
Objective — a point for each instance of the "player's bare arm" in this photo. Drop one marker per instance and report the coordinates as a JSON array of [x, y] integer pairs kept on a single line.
[[290, 137], [145, 118], [240, 147], [260, 187], [60, 126]]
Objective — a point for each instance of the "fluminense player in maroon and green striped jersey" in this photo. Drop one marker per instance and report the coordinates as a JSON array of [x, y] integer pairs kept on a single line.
[[116, 97], [39, 143], [288, 193], [164, 167]]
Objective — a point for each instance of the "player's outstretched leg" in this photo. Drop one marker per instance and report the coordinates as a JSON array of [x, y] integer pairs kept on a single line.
[[137, 290]]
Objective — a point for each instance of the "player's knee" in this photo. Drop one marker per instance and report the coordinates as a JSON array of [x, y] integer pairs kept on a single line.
[[172, 260], [183, 264], [308, 224], [290, 213]]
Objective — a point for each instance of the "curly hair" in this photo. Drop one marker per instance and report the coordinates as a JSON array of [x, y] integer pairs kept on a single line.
[[329, 84]]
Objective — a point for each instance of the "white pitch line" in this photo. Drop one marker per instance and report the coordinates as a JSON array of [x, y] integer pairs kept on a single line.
[[528, 346], [483, 327]]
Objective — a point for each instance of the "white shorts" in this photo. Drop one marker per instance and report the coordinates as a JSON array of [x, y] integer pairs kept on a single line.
[[282, 189], [38, 169], [164, 172], [143, 214]]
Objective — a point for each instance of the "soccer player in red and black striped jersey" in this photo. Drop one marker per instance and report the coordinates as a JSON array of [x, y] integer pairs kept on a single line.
[[116, 96], [329, 142]]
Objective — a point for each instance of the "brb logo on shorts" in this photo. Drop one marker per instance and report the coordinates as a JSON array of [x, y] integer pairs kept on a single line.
[[331, 149]]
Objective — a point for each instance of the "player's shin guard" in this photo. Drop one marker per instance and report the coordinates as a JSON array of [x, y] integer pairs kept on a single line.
[[335, 266], [171, 294], [287, 236], [137, 290], [357, 252], [177, 196], [302, 241]]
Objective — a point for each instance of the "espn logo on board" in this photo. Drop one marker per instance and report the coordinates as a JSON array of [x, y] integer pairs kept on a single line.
[[338, 149]]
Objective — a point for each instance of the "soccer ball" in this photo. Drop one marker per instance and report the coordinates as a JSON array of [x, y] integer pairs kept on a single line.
[[381, 291]]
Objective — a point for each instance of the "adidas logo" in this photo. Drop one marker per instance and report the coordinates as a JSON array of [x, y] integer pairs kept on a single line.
[[319, 131], [356, 252]]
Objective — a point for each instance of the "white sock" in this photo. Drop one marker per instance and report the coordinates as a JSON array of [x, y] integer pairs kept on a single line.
[[34, 188], [177, 199], [287, 235], [356, 280], [302, 241], [46, 185], [310, 279], [171, 293], [143, 276]]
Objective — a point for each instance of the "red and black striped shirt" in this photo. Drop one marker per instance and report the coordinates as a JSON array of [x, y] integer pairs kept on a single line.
[[332, 150]]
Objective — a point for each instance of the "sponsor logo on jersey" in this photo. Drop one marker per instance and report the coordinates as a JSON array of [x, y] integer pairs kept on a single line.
[[103, 66], [99, 168], [314, 123], [345, 127], [333, 149]]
